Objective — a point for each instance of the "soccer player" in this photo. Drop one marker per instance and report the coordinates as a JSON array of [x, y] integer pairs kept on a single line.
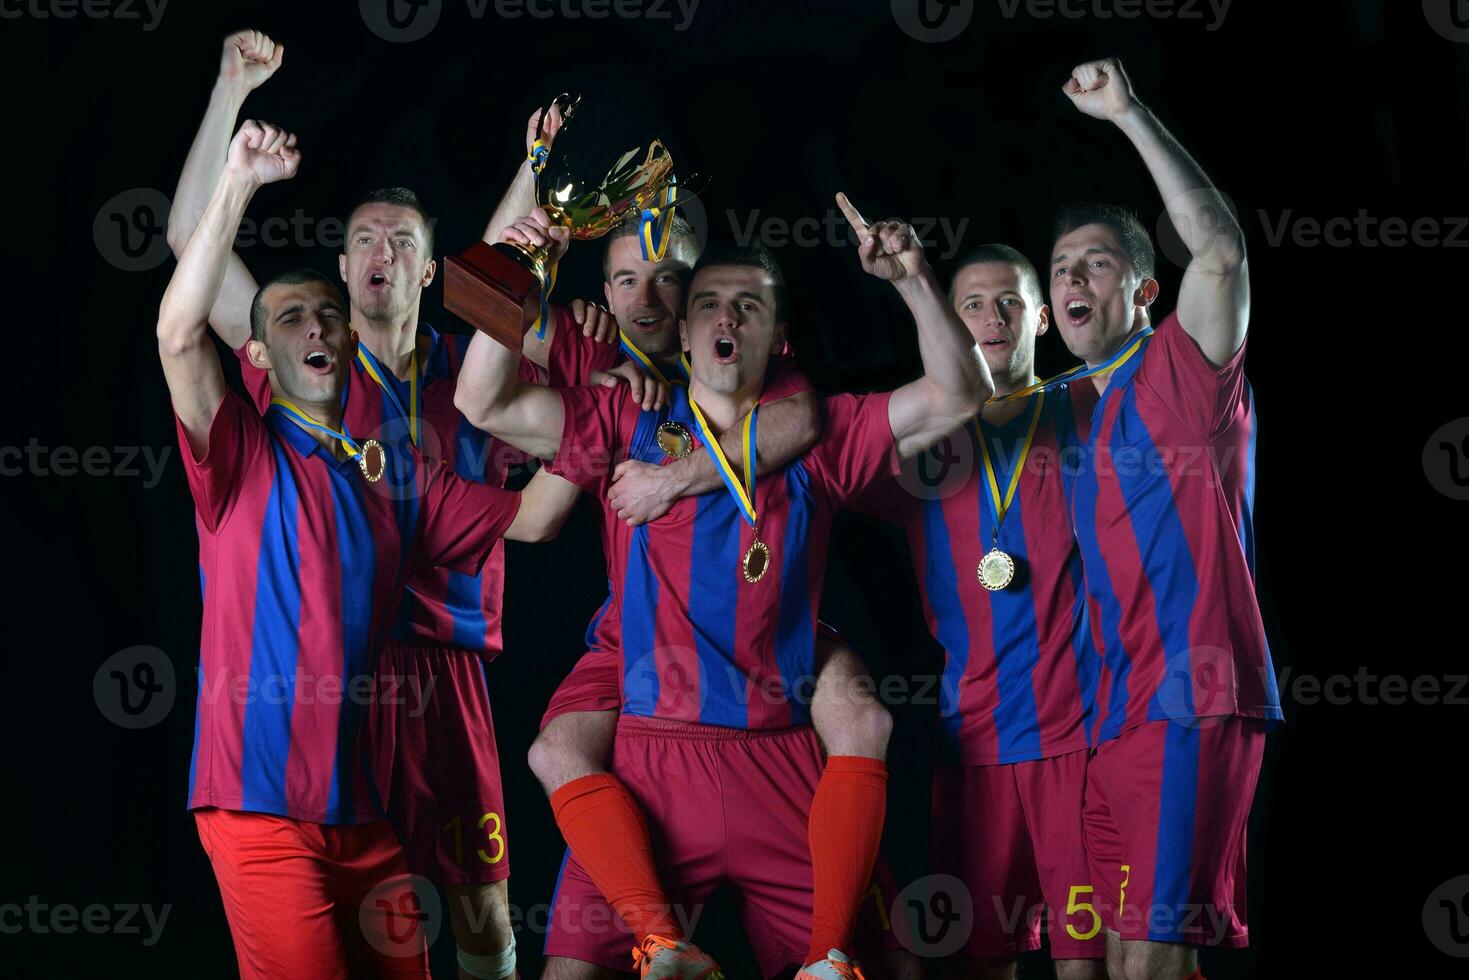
[[715, 601], [303, 562], [434, 744], [1163, 509], [570, 755], [1000, 574]]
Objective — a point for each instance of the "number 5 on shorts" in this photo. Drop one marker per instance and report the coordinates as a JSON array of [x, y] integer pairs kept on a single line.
[[1072, 906]]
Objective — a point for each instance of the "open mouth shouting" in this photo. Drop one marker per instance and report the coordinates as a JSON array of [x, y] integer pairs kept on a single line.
[[726, 350], [319, 360], [1079, 311], [377, 281]]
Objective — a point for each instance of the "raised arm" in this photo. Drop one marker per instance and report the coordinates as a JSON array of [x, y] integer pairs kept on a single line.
[[249, 58], [956, 381], [1214, 297], [190, 364], [643, 492]]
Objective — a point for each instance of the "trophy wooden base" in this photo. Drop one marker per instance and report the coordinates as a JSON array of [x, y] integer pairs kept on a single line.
[[489, 288]]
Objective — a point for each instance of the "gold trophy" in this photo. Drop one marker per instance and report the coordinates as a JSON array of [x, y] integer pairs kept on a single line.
[[498, 288]]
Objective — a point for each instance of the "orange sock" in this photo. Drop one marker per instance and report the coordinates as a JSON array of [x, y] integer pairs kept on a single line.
[[845, 829], [605, 828]]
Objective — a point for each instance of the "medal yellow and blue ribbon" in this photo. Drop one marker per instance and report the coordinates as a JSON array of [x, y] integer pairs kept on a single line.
[[1082, 371], [307, 422], [998, 505], [649, 367], [743, 492], [655, 223], [414, 412]]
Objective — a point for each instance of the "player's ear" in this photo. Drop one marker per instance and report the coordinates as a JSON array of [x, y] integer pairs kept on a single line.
[[428, 274], [342, 266], [258, 354], [1043, 320], [683, 334], [1147, 292], [607, 293], [778, 339]]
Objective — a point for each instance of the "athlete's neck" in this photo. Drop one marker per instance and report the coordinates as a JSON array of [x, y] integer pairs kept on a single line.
[[723, 411], [998, 412], [391, 342], [1100, 381], [327, 413]]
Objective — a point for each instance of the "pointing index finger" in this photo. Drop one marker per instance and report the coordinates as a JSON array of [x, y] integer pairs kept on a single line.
[[854, 217]]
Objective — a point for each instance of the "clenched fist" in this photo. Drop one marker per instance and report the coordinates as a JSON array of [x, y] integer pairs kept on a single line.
[[249, 58], [263, 153], [1101, 89]]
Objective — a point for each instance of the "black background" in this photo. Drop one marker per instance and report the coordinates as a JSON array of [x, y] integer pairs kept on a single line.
[[1299, 110]]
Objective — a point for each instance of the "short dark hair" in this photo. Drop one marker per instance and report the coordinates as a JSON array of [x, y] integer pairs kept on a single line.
[[753, 256], [1130, 231], [995, 252], [680, 235], [288, 277], [401, 197]]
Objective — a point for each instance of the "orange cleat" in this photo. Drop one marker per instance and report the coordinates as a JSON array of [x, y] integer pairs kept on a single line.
[[836, 966]]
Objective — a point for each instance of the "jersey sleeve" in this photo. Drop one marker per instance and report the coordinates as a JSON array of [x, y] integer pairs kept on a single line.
[[595, 430], [462, 519], [237, 438], [784, 379], [856, 448], [1206, 398], [571, 357]]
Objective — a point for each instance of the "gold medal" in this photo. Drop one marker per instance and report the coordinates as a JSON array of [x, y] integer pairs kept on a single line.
[[996, 570], [373, 460], [756, 561], [674, 440]]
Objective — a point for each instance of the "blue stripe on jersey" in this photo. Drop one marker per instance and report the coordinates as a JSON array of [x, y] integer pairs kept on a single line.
[[941, 581], [1098, 580], [713, 604], [639, 634], [591, 638], [1162, 549], [357, 552], [1013, 630], [1177, 817], [795, 637], [274, 646], [1083, 648]]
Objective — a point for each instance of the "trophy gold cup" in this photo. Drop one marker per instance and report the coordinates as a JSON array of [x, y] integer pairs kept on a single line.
[[497, 288]]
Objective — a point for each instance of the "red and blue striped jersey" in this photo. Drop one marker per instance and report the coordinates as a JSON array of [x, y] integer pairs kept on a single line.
[[1020, 669], [698, 642], [302, 564], [443, 607], [1163, 507]]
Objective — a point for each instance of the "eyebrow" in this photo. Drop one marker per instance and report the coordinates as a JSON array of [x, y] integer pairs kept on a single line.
[[293, 308], [999, 292], [1094, 250]]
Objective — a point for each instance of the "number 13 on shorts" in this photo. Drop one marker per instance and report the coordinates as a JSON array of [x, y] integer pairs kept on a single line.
[[494, 830]]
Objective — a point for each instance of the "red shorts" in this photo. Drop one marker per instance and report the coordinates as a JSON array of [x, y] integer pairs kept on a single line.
[[594, 684], [1012, 835], [724, 805], [314, 900], [1166, 809], [433, 743]]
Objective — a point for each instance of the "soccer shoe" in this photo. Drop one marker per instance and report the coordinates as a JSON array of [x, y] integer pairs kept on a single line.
[[836, 966], [663, 959]]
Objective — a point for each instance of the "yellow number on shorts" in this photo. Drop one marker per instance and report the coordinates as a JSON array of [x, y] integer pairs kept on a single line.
[[875, 893], [454, 825], [1122, 892], [1072, 906], [494, 835]]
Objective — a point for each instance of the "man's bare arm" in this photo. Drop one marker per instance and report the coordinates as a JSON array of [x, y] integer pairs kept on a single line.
[[1214, 297], [544, 505], [190, 364], [642, 492], [249, 58]]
